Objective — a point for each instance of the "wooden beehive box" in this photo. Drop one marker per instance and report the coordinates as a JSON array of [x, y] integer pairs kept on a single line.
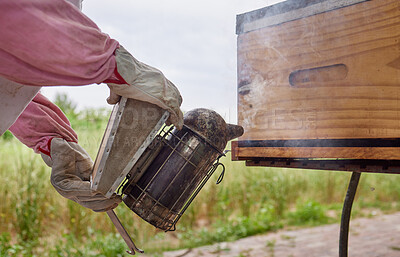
[[319, 79]]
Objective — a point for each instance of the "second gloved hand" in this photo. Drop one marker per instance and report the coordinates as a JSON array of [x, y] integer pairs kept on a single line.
[[71, 168], [147, 84]]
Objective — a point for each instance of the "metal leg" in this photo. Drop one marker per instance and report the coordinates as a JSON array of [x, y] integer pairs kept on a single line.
[[346, 213]]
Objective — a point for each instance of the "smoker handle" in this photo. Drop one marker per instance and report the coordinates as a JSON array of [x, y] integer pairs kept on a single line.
[[128, 240]]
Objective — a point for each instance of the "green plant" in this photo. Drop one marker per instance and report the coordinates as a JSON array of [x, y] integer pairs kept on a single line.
[[7, 136], [309, 212], [28, 200], [229, 230], [78, 219], [5, 244], [271, 247], [7, 249], [111, 245]]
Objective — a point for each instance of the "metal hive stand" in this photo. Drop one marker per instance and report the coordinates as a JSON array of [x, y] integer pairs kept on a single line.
[[355, 166]]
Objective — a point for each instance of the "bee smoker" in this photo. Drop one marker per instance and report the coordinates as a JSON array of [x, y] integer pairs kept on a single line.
[[176, 166], [161, 173]]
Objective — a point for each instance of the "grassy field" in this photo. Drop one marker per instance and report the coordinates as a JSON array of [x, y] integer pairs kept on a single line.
[[36, 221]]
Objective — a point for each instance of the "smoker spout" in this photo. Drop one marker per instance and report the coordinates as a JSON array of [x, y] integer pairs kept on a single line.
[[234, 131], [212, 127]]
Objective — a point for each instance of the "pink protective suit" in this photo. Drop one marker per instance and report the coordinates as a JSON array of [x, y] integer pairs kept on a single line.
[[40, 122], [50, 43]]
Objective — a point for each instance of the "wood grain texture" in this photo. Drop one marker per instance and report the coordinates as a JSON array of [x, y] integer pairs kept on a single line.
[[234, 151], [384, 153], [345, 72], [285, 11], [374, 166]]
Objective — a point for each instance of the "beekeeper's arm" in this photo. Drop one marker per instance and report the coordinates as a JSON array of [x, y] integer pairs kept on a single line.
[[43, 127], [49, 43]]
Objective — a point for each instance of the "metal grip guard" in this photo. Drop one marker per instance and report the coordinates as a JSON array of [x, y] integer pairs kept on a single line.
[[170, 174]]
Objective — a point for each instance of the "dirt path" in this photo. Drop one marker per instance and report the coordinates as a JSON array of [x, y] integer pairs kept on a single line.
[[378, 236]]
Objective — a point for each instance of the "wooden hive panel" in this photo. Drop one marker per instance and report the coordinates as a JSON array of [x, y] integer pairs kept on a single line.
[[331, 75]]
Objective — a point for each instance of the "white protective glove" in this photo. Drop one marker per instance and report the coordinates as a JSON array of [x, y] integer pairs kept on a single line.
[[147, 84], [70, 176]]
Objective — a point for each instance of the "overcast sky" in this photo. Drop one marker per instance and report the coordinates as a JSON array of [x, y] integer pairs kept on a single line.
[[192, 42]]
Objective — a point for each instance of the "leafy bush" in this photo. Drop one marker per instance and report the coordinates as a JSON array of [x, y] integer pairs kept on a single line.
[[111, 245], [310, 213], [229, 230]]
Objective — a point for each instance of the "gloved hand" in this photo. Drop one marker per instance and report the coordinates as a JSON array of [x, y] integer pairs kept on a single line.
[[70, 176], [147, 84]]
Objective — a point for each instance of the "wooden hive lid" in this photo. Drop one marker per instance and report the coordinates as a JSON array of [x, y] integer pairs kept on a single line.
[[287, 11]]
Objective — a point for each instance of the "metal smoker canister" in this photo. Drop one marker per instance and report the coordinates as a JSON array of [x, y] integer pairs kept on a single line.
[[176, 166]]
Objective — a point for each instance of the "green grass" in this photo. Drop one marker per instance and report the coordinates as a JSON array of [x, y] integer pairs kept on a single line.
[[308, 213], [36, 221]]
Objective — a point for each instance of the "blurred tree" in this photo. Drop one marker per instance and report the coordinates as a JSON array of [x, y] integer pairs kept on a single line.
[[66, 104]]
